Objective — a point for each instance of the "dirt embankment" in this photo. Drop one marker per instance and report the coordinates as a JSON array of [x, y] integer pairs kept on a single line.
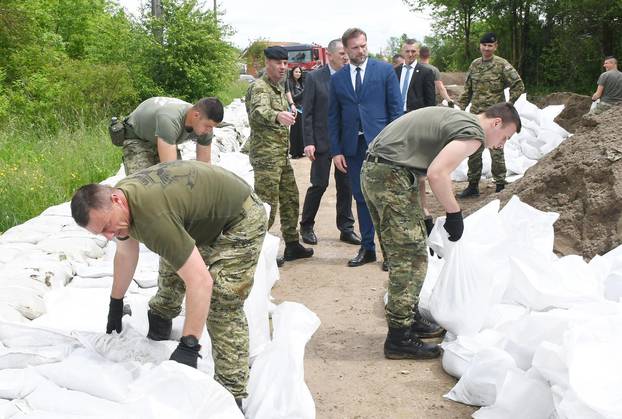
[[575, 106]]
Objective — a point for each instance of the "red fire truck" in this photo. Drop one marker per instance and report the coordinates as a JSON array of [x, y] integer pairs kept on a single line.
[[306, 56]]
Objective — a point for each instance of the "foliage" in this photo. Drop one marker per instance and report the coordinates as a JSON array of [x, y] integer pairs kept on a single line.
[[254, 54], [554, 44]]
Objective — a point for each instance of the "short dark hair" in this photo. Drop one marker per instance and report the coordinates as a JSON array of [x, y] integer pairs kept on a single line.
[[396, 56], [507, 112], [410, 41], [612, 58], [210, 108], [424, 52], [351, 33], [88, 197], [332, 45]]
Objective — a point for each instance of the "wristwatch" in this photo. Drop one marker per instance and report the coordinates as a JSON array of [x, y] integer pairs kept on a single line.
[[191, 342]]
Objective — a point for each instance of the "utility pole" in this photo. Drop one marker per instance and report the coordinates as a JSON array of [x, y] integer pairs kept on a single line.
[[215, 12], [156, 8]]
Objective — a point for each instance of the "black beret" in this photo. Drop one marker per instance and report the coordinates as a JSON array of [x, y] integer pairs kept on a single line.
[[488, 38], [275, 53]]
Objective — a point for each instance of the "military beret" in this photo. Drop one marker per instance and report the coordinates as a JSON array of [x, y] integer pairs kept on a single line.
[[488, 38], [275, 53]]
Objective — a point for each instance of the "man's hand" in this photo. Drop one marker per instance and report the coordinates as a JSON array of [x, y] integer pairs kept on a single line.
[[294, 109], [286, 118], [450, 103], [115, 314], [340, 163], [310, 152], [186, 355], [454, 225]]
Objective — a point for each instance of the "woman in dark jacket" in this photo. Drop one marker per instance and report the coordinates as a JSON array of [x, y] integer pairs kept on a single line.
[[296, 87]]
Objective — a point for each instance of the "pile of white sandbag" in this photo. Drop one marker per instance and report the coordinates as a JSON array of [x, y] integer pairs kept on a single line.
[[530, 334], [539, 135], [56, 362]]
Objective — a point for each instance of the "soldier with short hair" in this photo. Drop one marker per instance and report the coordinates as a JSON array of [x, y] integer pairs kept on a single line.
[[609, 89], [430, 141], [155, 128], [486, 79], [270, 119], [208, 227]]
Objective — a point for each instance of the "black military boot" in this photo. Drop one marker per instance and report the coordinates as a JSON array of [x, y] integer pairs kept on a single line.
[[425, 328], [500, 187], [471, 191], [159, 327], [294, 250], [401, 344]]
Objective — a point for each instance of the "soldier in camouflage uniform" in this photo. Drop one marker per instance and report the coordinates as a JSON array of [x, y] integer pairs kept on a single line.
[[157, 125], [270, 120], [486, 79], [430, 141], [208, 226]]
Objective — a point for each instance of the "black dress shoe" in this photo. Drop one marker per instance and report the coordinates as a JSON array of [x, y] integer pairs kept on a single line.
[[350, 237], [364, 256], [308, 236]]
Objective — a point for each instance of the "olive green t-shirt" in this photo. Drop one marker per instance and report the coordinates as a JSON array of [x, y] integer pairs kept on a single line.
[[175, 205], [436, 71], [612, 86], [164, 117], [415, 139]]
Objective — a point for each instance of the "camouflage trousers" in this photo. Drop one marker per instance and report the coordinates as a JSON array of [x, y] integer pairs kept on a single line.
[[392, 196], [276, 185], [498, 166], [139, 154], [232, 260]]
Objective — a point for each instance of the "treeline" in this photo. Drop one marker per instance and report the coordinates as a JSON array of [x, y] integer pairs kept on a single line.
[[68, 62], [554, 44]]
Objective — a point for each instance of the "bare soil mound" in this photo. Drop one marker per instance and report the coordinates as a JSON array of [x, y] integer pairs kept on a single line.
[[575, 106], [582, 181], [450, 78]]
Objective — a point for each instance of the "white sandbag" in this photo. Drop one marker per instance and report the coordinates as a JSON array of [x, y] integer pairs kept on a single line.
[[17, 383], [460, 173], [257, 304], [550, 361], [77, 371], [569, 406], [520, 396], [28, 301], [20, 234], [10, 251], [175, 391], [502, 313], [11, 314], [239, 164], [51, 270], [530, 227], [276, 385], [75, 249], [527, 109], [459, 351], [60, 210], [486, 372], [435, 266]]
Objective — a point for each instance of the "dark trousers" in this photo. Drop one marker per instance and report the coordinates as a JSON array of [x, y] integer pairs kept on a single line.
[[366, 226], [296, 146], [320, 172]]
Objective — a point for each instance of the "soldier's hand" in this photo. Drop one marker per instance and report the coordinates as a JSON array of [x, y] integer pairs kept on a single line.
[[286, 118], [450, 103], [294, 109], [454, 225], [186, 355], [340, 163], [310, 152], [429, 226], [115, 314]]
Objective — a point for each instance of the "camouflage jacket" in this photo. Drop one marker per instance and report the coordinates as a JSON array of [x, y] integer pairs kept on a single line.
[[269, 138], [485, 81]]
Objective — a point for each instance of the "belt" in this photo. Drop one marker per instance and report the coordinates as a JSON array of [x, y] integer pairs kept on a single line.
[[378, 159]]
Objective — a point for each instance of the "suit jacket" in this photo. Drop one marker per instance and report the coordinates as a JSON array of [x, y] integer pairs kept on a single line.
[[421, 90], [377, 104], [315, 109]]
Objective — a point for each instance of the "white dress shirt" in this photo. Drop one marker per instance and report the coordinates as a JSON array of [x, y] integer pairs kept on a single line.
[[353, 73], [410, 76]]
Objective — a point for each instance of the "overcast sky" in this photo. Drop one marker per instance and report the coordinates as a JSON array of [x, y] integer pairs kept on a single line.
[[314, 20]]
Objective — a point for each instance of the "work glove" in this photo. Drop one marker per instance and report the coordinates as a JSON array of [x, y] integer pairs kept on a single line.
[[450, 103], [115, 314], [184, 354], [429, 226], [454, 225]]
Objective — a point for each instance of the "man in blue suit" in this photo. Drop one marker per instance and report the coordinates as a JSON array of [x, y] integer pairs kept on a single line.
[[364, 98]]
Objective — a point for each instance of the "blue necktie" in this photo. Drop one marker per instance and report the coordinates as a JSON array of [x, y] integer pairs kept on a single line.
[[357, 81], [405, 83]]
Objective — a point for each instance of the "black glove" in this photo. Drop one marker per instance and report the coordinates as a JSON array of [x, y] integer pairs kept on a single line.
[[454, 225], [429, 226], [187, 355], [115, 313], [450, 103]]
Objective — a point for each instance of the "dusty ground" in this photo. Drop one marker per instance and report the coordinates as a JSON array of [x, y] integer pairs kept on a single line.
[[345, 368]]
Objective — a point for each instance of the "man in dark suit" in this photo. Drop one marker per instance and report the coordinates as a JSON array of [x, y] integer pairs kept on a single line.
[[315, 136], [364, 98], [416, 80]]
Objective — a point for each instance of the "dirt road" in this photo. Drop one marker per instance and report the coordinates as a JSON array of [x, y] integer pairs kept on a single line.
[[345, 368]]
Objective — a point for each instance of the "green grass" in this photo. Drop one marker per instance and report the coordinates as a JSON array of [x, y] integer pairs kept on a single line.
[[38, 171], [234, 90]]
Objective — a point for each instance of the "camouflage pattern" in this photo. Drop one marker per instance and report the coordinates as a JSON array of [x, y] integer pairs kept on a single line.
[[268, 147], [484, 85], [139, 154], [392, 196], [232, 260]]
